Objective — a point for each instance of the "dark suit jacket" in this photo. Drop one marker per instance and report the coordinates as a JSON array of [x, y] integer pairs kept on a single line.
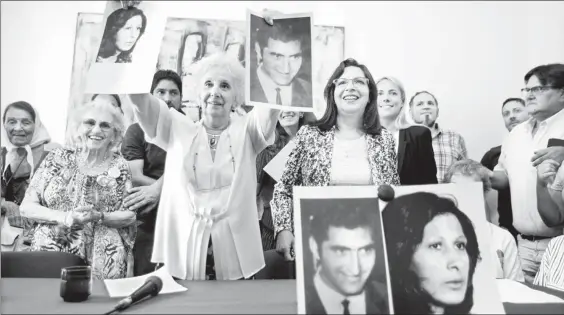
[[301, 91], [376, 299], [416, 159]]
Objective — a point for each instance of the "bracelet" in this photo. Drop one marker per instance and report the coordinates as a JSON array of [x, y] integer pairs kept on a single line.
[[101, 220]]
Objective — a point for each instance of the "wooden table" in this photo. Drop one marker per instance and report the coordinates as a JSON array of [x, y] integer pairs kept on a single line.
[[32, 296]]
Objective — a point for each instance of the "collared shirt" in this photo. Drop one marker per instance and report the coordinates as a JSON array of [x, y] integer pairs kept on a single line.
[[551, 271], [333, 301], [449, 147], [505, 254], [515, 161], [269, 87]]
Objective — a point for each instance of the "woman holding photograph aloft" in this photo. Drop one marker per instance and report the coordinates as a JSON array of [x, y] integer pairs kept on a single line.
[[432, 253], [347, 146], [123, 29]]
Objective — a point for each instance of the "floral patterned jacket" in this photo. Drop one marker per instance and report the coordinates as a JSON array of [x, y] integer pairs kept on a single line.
[[309, 164]]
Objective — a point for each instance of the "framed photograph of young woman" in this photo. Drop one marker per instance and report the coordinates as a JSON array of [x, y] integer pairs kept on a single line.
[[437, 242], [127, 54]]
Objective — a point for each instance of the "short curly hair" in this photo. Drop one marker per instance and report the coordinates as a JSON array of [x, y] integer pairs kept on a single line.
[[118, 124], [468, 167], [230, 66]]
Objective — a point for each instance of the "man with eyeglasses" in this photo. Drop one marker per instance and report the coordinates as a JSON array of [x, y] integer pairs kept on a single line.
[[522, 151], [514, 112]]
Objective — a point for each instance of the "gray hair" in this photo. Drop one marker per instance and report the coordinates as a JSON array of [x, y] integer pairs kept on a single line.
[[230, 65], [469, 167], [118, 124]]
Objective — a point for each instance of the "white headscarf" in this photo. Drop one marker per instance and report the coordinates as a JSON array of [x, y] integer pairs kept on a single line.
[[40, 136]]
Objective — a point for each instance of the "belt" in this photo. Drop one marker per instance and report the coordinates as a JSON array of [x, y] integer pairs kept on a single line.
[[533, 238]]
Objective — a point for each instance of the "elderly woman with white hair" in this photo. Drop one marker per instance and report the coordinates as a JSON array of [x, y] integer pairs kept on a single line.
[[76, 195], [414, 145], [210, 175]]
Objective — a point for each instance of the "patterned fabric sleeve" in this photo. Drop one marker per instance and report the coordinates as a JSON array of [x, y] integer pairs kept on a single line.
[[43, 175], [281, 204], [389, 173], [462, 148]]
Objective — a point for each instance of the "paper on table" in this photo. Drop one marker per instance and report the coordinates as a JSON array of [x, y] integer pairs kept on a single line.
[[124, 287], [277, 164], [515, 292]]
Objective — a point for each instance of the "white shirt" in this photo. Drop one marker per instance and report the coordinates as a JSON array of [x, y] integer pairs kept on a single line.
[[202, 199], [515, 161], [269, 87], [333, 301], [349, 165], [505, 254]]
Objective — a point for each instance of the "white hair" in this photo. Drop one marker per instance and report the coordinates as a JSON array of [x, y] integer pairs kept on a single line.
[[230, 66], [118, 125]]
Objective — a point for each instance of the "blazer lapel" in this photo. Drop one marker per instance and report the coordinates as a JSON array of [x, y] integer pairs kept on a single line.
[[402, 146]]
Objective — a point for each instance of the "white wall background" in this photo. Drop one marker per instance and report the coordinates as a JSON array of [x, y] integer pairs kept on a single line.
[[472, 55]]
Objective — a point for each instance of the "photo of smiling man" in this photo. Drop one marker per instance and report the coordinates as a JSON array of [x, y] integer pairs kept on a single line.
[[344, 267], [279, 58]]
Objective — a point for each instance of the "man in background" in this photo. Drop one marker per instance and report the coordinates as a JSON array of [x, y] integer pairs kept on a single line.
[[147, 162], [524, 148], [449, 146], [514, 112], [280, 50], [344, 243]]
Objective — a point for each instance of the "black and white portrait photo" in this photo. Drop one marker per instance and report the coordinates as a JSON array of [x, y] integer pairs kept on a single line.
[[280, 59], [340, 256], [128, 47], [438, 253], [124, 28]]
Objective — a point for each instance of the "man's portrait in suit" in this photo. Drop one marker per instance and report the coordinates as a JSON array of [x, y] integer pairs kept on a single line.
[[344, 261], [280, 67]]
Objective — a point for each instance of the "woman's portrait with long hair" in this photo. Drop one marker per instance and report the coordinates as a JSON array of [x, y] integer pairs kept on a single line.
[[432, 251], [124, 28]]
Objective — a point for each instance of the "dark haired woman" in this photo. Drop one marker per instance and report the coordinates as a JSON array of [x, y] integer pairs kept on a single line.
[[347, 146], [123, 29], [432, 255]]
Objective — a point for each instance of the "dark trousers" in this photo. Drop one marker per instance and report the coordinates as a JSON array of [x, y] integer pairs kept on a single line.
[[142, 251]]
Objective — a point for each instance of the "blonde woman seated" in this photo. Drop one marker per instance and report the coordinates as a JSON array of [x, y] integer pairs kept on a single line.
[[77, 194], [209, 188], [502, 244]]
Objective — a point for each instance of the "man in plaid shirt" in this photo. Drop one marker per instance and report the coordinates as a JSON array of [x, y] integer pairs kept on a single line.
[[448, 145]]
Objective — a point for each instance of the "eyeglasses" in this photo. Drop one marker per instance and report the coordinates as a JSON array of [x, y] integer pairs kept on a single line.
[[536, 90], [356, 82]]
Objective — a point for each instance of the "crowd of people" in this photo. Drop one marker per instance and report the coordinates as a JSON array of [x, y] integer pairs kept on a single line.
[[193, 196]]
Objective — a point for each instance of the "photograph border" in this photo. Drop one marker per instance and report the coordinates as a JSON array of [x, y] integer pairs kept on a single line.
[[248, 61], [330, 192]]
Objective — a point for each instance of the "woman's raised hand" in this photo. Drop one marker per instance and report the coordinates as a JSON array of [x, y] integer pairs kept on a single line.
[[268, 14]]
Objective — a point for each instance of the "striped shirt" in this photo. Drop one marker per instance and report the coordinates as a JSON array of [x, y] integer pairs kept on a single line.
[[449, 147], [551, 272]]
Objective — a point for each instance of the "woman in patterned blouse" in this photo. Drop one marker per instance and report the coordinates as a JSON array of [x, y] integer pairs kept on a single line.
[[76, 196], [347, 146]]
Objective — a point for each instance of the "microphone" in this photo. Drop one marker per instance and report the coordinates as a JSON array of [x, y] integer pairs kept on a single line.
[[386, 193], [150, 288]]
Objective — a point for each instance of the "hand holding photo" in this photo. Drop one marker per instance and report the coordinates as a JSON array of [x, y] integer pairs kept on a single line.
[[129, 48], [279, 56]]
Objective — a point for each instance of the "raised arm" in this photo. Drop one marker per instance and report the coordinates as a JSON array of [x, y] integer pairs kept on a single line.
[[261, 126], [154, 118]]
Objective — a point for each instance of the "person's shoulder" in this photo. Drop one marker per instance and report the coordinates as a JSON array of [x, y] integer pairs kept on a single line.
[[121, 162], [418, 131], [308, 131]]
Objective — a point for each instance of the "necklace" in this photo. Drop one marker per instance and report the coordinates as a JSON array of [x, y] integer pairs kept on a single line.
[[213, 140], [82, 161]]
